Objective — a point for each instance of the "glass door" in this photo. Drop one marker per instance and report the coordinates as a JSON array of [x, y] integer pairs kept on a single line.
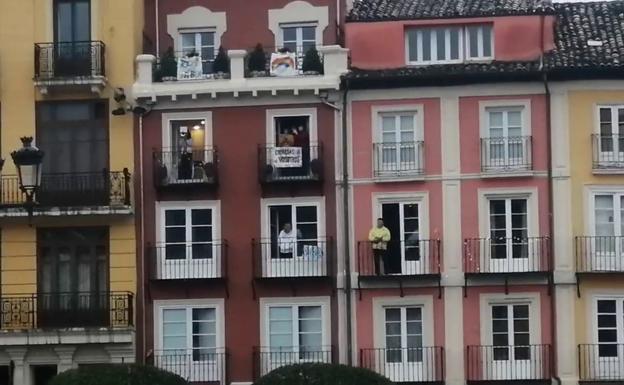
[[610, 338], [404, 343], [509, 243], [511, 355], [398, 150], [611, 143], [72, 36], [506, 147], [406, 253], [608, 245]]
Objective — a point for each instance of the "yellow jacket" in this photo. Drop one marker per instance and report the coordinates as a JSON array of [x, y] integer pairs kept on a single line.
[[374, 236]]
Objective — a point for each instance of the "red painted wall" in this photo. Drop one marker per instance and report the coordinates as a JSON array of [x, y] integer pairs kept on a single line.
[[382, 44]]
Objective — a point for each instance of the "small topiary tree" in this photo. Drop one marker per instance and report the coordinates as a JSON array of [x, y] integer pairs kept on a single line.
[[117, 374], [322, 374], [312, 62], [168, 65], [221, 62], [257, 59]]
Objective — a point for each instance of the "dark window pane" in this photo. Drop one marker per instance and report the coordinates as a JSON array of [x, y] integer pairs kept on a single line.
[[522, 353], [426, 44], [606, 321], [500, 340], [202, 234], [441, 43], [499, 326], [473, 37], [499, 312], [607, 335], [306, 214], [606, 306], [308, 33], [290, 34], [175, 217], [175, 252], [521, 311], [201, 217], [501, 354], [610, 350], [487, 40], [175, 234]]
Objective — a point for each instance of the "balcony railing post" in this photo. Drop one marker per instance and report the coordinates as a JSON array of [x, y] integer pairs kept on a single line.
[[126, 174]]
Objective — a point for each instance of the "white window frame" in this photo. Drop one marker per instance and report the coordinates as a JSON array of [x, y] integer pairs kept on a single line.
[[298, 12], [298, 27], [265, 218], [614, 131], [167, 118], [291, 112], [196, 18], [197, 32], [607, 367], [607, 261], [481, 56]]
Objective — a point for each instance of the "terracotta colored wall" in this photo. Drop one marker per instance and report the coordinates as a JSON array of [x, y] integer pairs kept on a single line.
[[382, 44], [247, 21]]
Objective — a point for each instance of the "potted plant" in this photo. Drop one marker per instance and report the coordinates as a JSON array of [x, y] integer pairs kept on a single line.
[[168, 66], [312, 64], [221, 64], [256, 62]]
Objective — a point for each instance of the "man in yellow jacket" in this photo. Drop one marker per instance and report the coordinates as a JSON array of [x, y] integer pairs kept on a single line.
[[379, 237]]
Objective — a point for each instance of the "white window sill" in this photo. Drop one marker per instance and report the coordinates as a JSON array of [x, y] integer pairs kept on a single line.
[[405, 176], [507, 173], [609, 170]]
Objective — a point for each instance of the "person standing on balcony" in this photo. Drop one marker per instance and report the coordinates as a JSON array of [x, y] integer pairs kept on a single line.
[[286, 241], [379, 236], [185, 167]]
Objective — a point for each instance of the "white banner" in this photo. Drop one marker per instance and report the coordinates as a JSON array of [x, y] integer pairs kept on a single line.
[[283, 64], [190, 68], [287, 157]]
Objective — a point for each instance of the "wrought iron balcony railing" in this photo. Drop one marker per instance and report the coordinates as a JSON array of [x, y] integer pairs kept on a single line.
[[78, 59], [602, 362], [506, 154], [290, 164], [267, 358], [206, 260], [173, 168], [399, 159], [507, 255], [66, 310], [408, 257], [509, 363], [422, 364], [105, 188], [205, 365], [607, 151], [293, 259], [599, 254]]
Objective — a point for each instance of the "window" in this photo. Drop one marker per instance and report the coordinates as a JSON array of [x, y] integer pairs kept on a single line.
[[404, 334], [191, 331], [291, 148], [608, 217], [303, 222], [401, 147], [188, 233], [510, 332], [299, 38], [72, 21], [406, 251], [186, 158], [611, 135], [201, 43], [449, 44], [508, 223], [297, 329], [505, 145]]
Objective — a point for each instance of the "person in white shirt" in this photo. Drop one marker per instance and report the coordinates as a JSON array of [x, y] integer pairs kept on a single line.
[[286, 241]]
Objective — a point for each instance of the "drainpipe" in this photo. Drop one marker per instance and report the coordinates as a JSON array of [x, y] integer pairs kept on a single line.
[[157, 29], [141, 246], [346, 229]]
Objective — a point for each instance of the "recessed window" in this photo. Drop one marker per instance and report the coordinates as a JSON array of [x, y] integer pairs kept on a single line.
[[505, 146], [200, 43], [449, 44], [400, 148]]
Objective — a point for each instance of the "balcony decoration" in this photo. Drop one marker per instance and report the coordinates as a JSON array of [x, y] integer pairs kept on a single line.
[[283, 63], [28, 161], [221, 64], [256, 61], [168, 70], [312, 64]]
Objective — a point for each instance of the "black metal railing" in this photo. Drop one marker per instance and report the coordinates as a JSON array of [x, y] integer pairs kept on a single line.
[[509, 363], [506, 153], [601, 362], [409, 257], [267, 358], [507, 255], [289, 259], [65, 310], [178, 168], [205, 365], [106, 188], [599, 254], [297, 52], [78, 59], [401, 158], [423, 364], [206, 260], [607, 151], [290, 163]]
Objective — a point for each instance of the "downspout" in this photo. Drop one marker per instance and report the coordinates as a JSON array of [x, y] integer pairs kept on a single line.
[[142, 243], [157, 29], [345, 219]]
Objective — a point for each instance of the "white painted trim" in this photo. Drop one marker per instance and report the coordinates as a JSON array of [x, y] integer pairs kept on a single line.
[[596, 112], [416, 109], [168, 117], [421, 198], [323, 302], [486, 300], [589, 203], [298, 12], [160, 305], [196, 18], [530, 193], [288, 112], [381, 303], [523, 104], [162, 206], [265, 218], [592, 309]]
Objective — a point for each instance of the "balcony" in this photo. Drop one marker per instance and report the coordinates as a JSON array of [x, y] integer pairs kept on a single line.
[[267, 359], [420, 257], [176, 170], [411, 365], [67, 310], [204, 261], [601, 363], [506, 155], [70, 65], [527, 363], [607, 153], [240, 81], [599, 254], [507, 255], [399, 160], [290, 164], [300, 259], [98, 193], [194, 365]]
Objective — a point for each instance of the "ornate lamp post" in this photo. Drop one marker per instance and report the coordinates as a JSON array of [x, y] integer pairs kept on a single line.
[[28, 161]]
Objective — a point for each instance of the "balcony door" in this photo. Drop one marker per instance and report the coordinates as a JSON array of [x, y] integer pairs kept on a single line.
[[608, 244], [506, 146], [406, 251], [608, 361], [184, 154], [291, 152], [72, 35], [73, 277], [511, 351], [611, 136], [404, 360], [508, 232], [399, 149]]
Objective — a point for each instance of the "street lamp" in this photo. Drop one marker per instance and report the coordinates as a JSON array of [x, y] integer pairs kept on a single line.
[[28, 163]]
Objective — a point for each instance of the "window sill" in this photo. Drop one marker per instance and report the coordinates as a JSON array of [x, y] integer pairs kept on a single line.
[[609, 171], [399, 177], [507, 173]]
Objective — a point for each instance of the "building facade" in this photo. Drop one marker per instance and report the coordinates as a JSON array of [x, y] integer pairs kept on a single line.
[[68, 274]]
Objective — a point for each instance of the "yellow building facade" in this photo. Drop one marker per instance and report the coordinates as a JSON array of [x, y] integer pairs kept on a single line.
[[68, 271]]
